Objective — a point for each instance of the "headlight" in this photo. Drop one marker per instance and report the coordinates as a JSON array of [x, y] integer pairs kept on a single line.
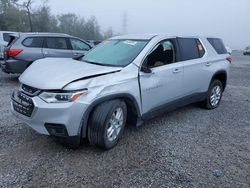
[[51, 97]]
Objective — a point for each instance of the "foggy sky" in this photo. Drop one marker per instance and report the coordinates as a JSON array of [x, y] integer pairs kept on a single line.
[[228, 19]]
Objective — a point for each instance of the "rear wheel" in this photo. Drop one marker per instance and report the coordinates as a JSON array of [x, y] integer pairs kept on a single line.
[[214, 95], [106, 123]]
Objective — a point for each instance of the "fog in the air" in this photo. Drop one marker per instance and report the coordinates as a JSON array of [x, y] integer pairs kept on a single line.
[[228, 19]]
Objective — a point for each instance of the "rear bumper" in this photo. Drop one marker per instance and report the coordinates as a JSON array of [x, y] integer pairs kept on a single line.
[[14, 66]]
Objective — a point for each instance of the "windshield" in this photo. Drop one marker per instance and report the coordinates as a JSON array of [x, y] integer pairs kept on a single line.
[[115, 52]]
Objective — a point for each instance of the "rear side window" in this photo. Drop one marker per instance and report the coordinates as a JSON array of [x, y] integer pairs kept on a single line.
[[200, 48], [35, 42], [6, 37], [56, 43], [189, 48], [218, 45]]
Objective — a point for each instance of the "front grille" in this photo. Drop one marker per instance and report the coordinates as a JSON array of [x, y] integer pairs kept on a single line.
[[30, 90], [22, 103]]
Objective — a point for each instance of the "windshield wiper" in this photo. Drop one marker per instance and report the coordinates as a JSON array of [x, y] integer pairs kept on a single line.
[[101, 64], [94, 63]]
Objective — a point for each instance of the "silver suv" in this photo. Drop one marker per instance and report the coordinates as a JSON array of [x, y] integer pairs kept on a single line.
[[123, 80], [25, 48], [4, 40]]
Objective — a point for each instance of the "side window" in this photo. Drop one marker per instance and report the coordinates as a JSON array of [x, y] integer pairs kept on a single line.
[[6, 37], [79, 45], [34, 42], [56, 43], [162, 54], [218, 45], [189, 48]]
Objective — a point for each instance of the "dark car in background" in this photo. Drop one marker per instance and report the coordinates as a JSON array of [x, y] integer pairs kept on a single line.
[[25, 48], [94, 42], [247, 51]]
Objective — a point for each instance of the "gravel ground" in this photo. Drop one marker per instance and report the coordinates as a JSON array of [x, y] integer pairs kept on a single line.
[[189, 147]]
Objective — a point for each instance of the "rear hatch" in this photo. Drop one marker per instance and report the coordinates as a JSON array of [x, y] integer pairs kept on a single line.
[[12, 39], [4, 40]]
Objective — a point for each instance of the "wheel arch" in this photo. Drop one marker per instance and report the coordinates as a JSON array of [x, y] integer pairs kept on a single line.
[[222, 76], [132, 107]]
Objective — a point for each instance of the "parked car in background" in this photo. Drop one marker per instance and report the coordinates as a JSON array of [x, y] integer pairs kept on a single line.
[[4, 40], [247, 51], [25, 48], [229, 50], [94, 42], [124, 80]]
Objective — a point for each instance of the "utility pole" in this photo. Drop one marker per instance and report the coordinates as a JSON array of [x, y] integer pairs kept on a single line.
[[124, 24]]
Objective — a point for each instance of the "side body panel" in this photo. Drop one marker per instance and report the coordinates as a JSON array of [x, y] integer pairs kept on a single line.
[[29, 54], [199, 72]]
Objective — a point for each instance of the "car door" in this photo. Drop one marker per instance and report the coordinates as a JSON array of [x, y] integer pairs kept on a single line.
[[163, 83], [57, 47], [196, 68], [33, 49], [79, 47]]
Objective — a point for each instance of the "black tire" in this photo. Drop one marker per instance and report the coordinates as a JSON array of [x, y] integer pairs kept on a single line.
[[99, 123], [207, 102]]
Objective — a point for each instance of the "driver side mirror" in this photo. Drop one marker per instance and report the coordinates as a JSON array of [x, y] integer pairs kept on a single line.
[[79, 57], [146, 69]]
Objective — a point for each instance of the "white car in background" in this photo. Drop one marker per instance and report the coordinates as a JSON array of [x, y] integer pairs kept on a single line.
[[4, 40]]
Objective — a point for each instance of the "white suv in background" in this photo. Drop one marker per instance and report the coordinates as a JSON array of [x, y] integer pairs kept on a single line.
[[123, 80]]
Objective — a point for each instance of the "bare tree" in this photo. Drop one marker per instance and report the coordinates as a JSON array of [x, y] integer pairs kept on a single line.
[[27, 5]]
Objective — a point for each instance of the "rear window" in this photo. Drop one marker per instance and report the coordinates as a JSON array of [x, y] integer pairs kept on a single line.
[[218, 45], [56, 43], [189, 48], [6, 37], [35, 42]]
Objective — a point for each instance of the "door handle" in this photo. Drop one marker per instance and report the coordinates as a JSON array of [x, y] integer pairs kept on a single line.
[[175, 71], [208, 64], [76, 54], [46, 52]]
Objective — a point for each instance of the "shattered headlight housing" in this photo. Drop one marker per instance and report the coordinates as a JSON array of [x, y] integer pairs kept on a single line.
[[62, 97]]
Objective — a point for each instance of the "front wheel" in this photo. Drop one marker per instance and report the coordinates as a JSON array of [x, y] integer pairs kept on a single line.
[[214, 95], [106, 123]]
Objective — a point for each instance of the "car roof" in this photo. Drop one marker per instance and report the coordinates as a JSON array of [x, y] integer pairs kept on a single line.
[[44, 34], [135, 36], [150, 36], [8, 32]]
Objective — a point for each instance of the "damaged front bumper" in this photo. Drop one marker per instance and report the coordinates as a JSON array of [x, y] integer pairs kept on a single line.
[[60, 120]]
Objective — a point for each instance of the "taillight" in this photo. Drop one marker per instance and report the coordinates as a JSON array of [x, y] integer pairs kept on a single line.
[[13, 52], [229, 59]]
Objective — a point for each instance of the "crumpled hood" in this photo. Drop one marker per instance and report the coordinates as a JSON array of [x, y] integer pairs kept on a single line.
[[55, 73]]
